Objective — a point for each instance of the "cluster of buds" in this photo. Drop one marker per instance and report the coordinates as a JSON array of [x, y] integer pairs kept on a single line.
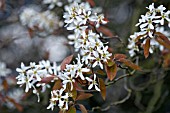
[[149, 29]]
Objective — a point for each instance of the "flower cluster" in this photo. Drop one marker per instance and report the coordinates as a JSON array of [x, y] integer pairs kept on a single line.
[[43, 22], [79, 18], [33, 74], [3, 70], [58, 95], [68, 77], [16, 95], [149, 24]]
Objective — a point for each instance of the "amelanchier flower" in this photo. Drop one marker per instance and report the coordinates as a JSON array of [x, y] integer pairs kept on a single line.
[[4, 71], [148, 24], [58, 96], [93, 83]]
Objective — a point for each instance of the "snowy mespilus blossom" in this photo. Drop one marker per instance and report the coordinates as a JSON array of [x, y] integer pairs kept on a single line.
[[93, 82], [3, 70], [92, 52], [149, 24], [78, 17], [34, 73], [43, 22]]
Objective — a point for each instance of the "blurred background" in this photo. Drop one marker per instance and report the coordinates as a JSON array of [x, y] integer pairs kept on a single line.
[[19, 43]]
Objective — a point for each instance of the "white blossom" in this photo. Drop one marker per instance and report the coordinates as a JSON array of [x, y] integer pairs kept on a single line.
[[93, 82], [4, 71]]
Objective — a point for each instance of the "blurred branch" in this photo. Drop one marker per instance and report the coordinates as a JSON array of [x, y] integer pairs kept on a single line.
[[156, 96], [138, 98], [129, 91], [119, 78]]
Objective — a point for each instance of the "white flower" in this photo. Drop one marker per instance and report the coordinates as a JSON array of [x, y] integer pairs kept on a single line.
[[97, 59], [67, 78], [132, 46], [23, 69], [60, 97], [27, 80], [86, 16], [160, 9], [3, 70], [43, 86], [16, 95], [151, 7], [46, 65], [77, 27], [79, 68], [93, 82], [105, 55], [164, 16], [99, 19], [36, 72]]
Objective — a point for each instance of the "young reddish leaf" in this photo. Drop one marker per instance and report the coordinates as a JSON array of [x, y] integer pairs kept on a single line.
[[105, 31], [111, 71], [163, 42], [163, 37], [130, 64], [5, 85], [67, 60], [82, 108], [57, 85], [72, 110], [102, 88], [47, 79], [30, 32], [82, 82], [139, 37], [118, 56], [83, 96], [77, 86], [100, 72], [146, 47], [91, 2], [18, 106]]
